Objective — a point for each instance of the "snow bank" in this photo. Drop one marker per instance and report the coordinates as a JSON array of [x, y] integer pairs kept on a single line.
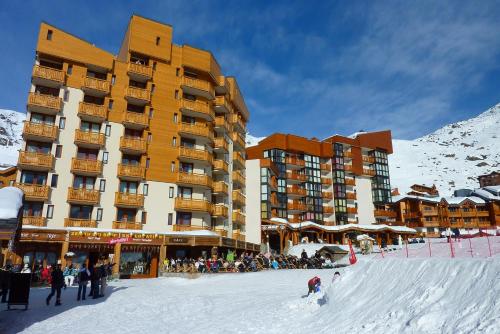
[[311, 248], [11, 200]]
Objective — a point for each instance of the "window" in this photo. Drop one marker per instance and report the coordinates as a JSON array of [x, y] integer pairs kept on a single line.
[[58, 151], [174, 141], [153, 87], [172, 166], [145, 189], [128, 187], [175, 117], [49, 35], [80, 212], [170, 218], [177, 71], [53, 181], [183, 218], [83, 182], [157, 40], [113, 80], [105, 157], [150, 137], [107, 131], [154, 66], [126, 215], [102, 185], [66, 95], [185, 192], [171, 192], [151, 112], [144, 217], [62, 123], [110, 104], [176, 95], [70, 69], [147, 163], [99, 215], [50, 211]]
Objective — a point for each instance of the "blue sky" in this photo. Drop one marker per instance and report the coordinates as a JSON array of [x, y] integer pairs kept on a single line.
[[307, 67]]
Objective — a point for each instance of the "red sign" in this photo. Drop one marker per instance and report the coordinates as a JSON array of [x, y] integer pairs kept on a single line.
[[352, 256], [119, 240]]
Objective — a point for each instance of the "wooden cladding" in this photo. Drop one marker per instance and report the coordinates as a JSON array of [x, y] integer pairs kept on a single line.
[[129, 200], [327, 195], [350, 182], [92, 111], [39, 131], [34, 192], [133, 145], [351, 195], [140, 70], [72, 222], [237, 123], [238, 141], [326, 181], [83, 196], [86, 166], [326, 167], [126, 225], [201, 180], [89, 139], [44, 103], [238, 160], [352, 210], [48, 73], [35, 160], [35, 221], [197, 108], [188, 204], [98, 85], [327, 209], [130, 172], [135, 119]]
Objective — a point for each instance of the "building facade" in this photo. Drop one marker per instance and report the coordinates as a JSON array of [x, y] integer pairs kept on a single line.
[[150, 141], [491, 179]]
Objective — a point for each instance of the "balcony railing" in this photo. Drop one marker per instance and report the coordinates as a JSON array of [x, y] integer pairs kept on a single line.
[[198, 84], [132, 172], [327, 209], [83, 196], [238, 141], [135, 119], [87, 138], [221, 232], [469, 213], [385, 213], [129, 200], [43, 102], [327, 195], [369, 171], [196, 129], [94, 84], [222, 104], [195, 154], [198, 108], [35, 221], [201, 180], [48, 73], [73, 222], [92, 111], [352, 210], [326, 181], [348, 168], [350, 182], [238, 160], [238, 178], [126, 225], [184, 228], [238, 217], [296, 191], [86, 166], [187, 204], [34, 160], [237, 123], [138, 93], [296, 177], [295, 162], [221, 144], [220, 166], [220, 211], [296, 206], [222, 124], [40, 131], [326, 167], [134, 144], [348, 154], [220, 187], [238, 197], [368, 159], [240, 236], [433, 212], [34, 192], [350, 195], [141, 70]]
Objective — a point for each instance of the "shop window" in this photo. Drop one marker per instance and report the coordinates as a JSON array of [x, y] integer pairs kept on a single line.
[[135, 263]]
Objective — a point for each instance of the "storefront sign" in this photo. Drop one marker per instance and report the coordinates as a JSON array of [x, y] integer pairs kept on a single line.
[[89, 239], [148, 241], [119, 241], [42, 236], [178, 240], [269, 227]]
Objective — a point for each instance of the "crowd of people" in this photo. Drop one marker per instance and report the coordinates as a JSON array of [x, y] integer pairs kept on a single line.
[[246, 262]]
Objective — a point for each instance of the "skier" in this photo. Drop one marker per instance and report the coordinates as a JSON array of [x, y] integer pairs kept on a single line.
[[313, 285], [336, 276], [57, 283]]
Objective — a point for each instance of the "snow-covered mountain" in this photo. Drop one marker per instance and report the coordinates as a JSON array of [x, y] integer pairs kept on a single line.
[[251, 140], [11, 127], [451, 157]]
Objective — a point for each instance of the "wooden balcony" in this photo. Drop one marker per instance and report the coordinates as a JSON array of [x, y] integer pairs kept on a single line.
[[83, 196], [238, 178], [221, 232], [327, 195], [368, 172], [326, 181], [92, 112], [191, 179], [195, 155], [97, 87], [484, 224], [294, 177], [34, 192], [483, 213], [238, 141], [47, 76], [197, 109], [192, 205], [222, 104], [471, 213], [35, 221], [222, 125], [133, 145], [220, 166], [238, 197], [454, 214], [198, 87], [196, 130], [350, 182], [347, 155], [433, 223], [73, 222], [89, 139], [351, 196], [35, 161], [127, 225], [135, 120], [296, 191], [352, 210], [433, 212], [221, 145], [238, 217], [240, 236], [137, 95], [40, 132], [326, 167], [128, 200], [139, 72], [220, 188], [185, 228], [220, 210], [294, 163], [328, 210], [131, 172], [296, 206], [385, 213], [238, 160], [86, 167], [45, 104], [348, 168], [237, 123], [368, 159]]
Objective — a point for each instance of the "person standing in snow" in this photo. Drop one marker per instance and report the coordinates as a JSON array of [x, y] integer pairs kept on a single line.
[[83, 279], [103, 270], [313, 285], [56, 285]]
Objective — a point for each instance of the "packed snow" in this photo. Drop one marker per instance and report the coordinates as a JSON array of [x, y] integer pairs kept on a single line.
[[11, 127], [376, 295], [11, 200]]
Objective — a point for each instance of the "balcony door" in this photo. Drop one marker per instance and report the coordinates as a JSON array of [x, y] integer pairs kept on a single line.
[[47, 91], [185, 192], [29, 177], [84, 182], [90, 127], [186, 167], [132, 133], [87, 154], [183, 218], [133, 160], [126, 215], [93, 100], [42, 119], [32, 209], [189, 143], [37, 147], [80, 212], [128, 187]]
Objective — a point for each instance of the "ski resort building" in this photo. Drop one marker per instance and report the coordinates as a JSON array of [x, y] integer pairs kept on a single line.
[[140, 155]]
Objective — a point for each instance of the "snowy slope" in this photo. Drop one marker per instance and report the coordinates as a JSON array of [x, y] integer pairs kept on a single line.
[[11, 126], [251, 140], [451, 157]]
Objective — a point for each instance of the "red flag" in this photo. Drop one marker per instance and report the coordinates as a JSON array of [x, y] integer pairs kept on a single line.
[[352, 256]]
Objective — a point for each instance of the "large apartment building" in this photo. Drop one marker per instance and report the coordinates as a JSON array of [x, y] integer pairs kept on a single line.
[[148, 144]]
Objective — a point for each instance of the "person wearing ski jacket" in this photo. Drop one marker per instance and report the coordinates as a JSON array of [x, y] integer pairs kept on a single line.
[[313, 285], [83, 279], [57, 283]]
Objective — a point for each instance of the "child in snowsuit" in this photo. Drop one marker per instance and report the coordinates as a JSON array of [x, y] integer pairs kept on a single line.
[[313, 285]]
